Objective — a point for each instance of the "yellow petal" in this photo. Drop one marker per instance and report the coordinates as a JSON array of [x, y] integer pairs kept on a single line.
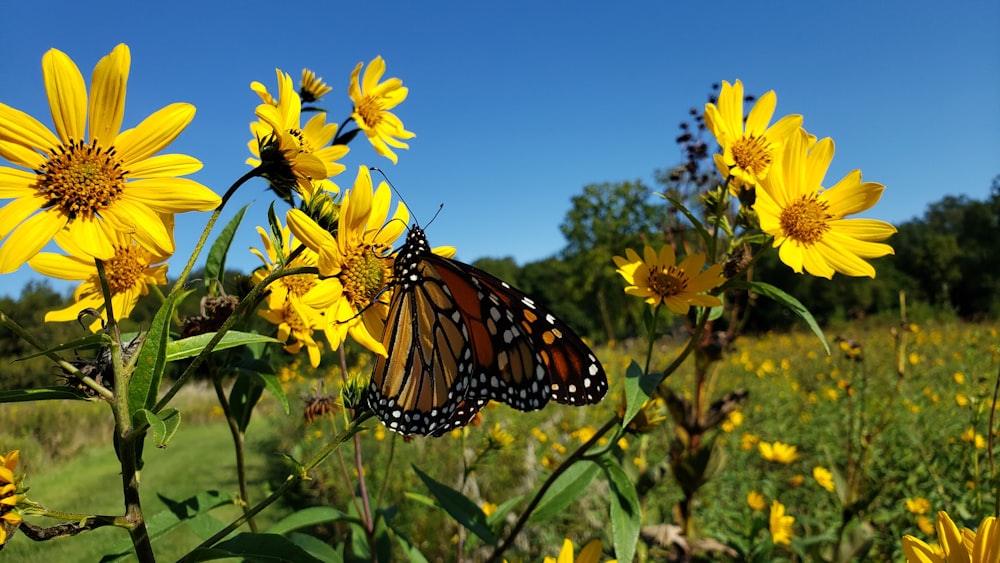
[[67, 94], [21, 155], [29, 238], [62, 267], [761, 113], [154, 133], [12, 214], [16, 183], [89, 236], [107, 95], [171, 195], [23, 129], [165, 165]]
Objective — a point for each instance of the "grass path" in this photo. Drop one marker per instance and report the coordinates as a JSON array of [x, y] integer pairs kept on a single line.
[[91, 483]]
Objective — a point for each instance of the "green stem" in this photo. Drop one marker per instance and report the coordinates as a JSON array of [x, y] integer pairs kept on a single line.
[[652, 336], [239, 441], [179, 284], [247, 302], [291, 481], [569, 461]]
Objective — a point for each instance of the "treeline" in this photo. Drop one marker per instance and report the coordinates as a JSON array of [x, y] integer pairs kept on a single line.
[[947, 259]]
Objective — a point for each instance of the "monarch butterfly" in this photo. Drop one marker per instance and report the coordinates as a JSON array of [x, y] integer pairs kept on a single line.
[[458, 337]]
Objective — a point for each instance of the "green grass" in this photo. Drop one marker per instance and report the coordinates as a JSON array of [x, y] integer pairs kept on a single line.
[[199, 458]]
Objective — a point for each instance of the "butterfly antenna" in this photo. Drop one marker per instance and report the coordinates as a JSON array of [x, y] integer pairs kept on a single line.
[[398, 194]]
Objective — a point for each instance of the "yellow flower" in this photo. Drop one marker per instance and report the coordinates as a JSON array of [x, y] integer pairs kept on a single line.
[[780, 525], [824, 477], [925, 524], [295, 319], [130, 272], [10, 483], [650, 415], [748, 148], [591, 553], [488, 507], [808, 221], [756, 501], [980, 546], [82, 186], [358, 261], [961, 399], [499, 438], [659, 279], [778, 452], [959, 377], [294, 156], [312, 87], [733, 421], [748, 441], [917, 505], [372, 102]]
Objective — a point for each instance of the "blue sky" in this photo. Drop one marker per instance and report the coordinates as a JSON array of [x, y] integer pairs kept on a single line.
[[518, 105]]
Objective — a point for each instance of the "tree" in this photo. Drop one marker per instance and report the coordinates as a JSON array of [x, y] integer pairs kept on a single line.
[[602, 222]]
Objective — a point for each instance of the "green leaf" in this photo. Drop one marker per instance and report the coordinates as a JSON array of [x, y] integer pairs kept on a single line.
[[316, 547], [255, 547], [178, 513], [698, 226], [788, 301], [163, 424], [215, 263], [566, 489], [498, 515], [463, 510], [89, 341], [193, 345], [273, 384], [626, 514], [56, 393], [308, 517], [639, 387], [145, 381]]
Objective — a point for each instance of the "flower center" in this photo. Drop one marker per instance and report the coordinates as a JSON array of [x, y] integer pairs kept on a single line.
[[370, 111], [299, 284], [806, 220], [364, 274], [667, 283], [752, 153], [81, 180], [304, 145], [296, 324], [125, 269]]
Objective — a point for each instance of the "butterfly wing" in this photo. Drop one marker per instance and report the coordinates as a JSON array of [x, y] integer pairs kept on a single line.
[[457, 337], [422, 383]]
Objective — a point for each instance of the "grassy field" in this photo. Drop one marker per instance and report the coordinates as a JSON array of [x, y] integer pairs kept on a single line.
[[199, 458], [907, 422]]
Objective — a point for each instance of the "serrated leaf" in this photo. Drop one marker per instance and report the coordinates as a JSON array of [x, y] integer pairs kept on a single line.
[[459, 507], [793, 304], [89, 341], [311, 516], [193, 345], [215, 263], [566, 489], [255, 547], [639, 387], [145, 381], [626, 514], [60, 393]]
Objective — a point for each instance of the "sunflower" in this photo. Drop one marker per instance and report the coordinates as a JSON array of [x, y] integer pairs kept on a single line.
[[659, 279], [302, 154], [312, 87], [295, 320], [808, 222], [357, 259], [11, 493], [83, 185], [372, 102], [980, 546], [749, 148], [129, 272]]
